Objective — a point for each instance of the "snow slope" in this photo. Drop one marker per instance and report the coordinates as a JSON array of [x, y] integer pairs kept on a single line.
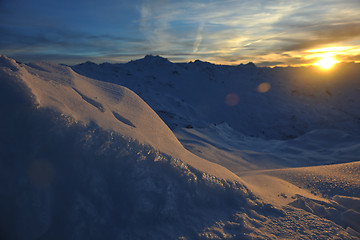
[[252, 120], [68, 173], [111, 107], [277, 103], [82, 158]]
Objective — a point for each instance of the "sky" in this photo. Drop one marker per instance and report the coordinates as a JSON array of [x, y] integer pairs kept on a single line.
[[266, 32]]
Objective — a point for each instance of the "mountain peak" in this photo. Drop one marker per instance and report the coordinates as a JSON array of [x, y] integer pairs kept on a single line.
[[152, 59], [89, 63], [248, 65]]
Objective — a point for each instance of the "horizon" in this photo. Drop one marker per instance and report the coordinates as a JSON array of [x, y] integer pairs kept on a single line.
[[313, 66], [269, 34]]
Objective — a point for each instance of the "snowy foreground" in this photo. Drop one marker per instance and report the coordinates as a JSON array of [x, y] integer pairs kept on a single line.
[[157, 150]]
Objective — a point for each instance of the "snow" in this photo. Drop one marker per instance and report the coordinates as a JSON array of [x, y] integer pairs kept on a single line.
[[181, 94], [156, 150], [87, 100]]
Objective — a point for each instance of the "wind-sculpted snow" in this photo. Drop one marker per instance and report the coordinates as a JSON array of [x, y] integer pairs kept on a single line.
[[87, 100], [91, 101], [122, 119], [82, 159], [61, 180], [64, 180]]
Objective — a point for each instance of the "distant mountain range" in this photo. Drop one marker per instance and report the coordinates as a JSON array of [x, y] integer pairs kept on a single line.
[[265, 102]]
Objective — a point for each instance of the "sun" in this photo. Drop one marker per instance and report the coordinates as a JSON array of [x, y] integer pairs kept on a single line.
[[326, 62]]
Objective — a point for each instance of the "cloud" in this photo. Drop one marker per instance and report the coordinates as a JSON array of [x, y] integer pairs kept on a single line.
[[229, 31], [198, 37], [321, 35], [315, 24], [351, 58], [154, 18], [67, 45]]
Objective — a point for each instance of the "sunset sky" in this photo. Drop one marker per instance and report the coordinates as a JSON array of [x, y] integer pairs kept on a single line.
[[265, 32]]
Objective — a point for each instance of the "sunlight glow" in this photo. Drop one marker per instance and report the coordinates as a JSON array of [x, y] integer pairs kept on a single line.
[[338, 49], [326, 62]]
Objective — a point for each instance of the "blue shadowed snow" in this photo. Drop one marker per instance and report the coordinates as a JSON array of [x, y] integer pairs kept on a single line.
[[79, 158]]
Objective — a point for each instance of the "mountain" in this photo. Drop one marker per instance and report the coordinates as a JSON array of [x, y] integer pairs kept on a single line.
[[242, 107], [84, 157], [276, 103]]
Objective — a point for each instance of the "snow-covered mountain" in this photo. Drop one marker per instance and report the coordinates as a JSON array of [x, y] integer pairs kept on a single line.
[[242, 107], [157, 150], [274, 103]]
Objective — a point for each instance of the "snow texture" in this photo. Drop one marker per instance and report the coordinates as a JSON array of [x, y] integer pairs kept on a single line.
[[262, 153]]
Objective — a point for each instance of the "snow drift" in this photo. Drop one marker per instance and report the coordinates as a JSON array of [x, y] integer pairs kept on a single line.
[[86, 159], [109, 106], [68, 173]]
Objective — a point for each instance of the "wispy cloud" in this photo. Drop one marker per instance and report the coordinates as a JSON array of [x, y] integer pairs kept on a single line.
[[198, 37], [223, 31], [320, 35]]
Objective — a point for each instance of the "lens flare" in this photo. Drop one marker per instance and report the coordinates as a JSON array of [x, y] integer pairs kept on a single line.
[[263, 87], [232, 99]]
